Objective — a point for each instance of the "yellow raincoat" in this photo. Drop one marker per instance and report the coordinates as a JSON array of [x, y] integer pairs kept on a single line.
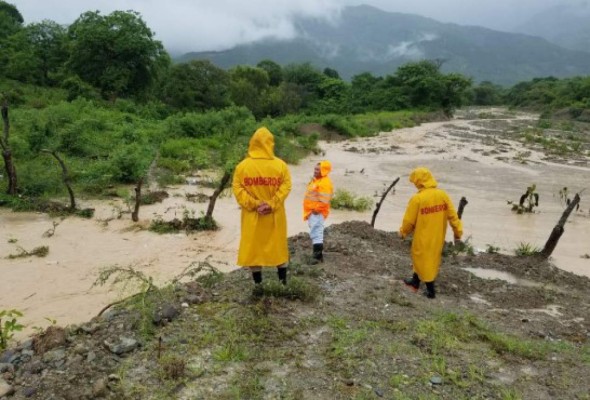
[[262, 177], [426, 215], [319, 193]]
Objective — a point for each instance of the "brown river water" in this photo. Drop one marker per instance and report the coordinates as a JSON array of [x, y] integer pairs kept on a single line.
[[59, 287]]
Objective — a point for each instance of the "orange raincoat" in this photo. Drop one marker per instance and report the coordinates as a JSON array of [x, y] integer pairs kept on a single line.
[[426, 215], [319, 193], [262, 177]]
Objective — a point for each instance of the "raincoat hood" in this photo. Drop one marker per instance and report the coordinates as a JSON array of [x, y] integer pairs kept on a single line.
[[262, 144], [325, 168], [422, 178]]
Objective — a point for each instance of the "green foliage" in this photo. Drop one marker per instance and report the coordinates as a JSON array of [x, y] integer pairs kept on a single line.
[[491, 249], [343, 199], [115, 53], [196, 86], [8, 326], [526, 249]]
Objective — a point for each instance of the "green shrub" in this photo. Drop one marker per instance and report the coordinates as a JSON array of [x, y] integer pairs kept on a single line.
[[526, 249], [346, 200]]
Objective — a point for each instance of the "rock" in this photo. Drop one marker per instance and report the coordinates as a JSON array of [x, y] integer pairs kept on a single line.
[[124, 345], [378, 392], [5, 388], [7, 356], [27, 344], [80, 349], [166, 313], [194, 299], [53, 337], [436, 380], [34, 367], [89, 328], [6, 367], [29, 392], [99, 389], [54, 356], [110, 314], [91, 356]]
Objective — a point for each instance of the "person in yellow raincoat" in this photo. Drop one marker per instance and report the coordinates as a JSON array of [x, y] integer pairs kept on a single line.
[[426, 215], [316, 206], [261, 183]]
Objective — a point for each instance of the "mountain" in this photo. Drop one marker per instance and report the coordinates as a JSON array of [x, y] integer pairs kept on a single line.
[[364, 38], [567, 25]]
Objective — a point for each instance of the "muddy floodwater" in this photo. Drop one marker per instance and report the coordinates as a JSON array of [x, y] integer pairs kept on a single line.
[[470, 158]]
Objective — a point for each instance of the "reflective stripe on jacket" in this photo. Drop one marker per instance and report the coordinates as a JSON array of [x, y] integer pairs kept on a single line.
[[262, 177], [426, 215], [319, 193]]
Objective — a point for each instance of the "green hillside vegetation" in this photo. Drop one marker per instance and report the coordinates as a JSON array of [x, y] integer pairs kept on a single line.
[[113, 122]]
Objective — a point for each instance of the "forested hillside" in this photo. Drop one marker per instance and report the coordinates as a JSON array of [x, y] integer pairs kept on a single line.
[[365, 38]]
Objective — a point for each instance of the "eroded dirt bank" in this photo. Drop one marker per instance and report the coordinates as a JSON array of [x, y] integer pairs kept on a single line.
[[345, 329]]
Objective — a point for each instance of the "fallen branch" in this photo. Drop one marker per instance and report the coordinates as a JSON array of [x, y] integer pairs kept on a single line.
[[559, 229], [378, 206]]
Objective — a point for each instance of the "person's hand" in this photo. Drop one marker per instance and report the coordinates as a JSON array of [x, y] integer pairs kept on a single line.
[[264, 209]]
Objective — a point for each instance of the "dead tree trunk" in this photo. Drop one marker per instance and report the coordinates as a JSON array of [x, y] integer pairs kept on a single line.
[[462, 203], [378, 206], [215, 195], [135, 213], [66, 178], [559, 229], [7, 154]]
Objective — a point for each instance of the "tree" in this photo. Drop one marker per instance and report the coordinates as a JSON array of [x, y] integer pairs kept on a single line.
[[331, 73], [197, 85], [36, 53], [11, 19], [248, 88], [274, 71], [115, 53]]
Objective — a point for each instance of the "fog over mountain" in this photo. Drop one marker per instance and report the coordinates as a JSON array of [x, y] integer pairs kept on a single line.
[[204, 25], [567, 25]]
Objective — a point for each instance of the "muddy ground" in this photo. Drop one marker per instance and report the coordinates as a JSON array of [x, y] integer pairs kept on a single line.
[[345, 329]]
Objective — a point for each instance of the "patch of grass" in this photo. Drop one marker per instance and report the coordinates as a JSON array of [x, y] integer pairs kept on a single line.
[[173, 367], [491, 249], [526, 249], [40, 251], [296, 289], [345, 200]]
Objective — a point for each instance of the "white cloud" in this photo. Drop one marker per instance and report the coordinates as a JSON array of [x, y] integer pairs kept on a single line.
[[198, 25]]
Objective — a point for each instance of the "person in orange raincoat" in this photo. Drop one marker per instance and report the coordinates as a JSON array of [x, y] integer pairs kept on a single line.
[[261, 183], [426, 215], [316, 206]]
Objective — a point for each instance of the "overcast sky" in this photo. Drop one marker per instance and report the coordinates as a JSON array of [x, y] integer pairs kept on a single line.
[[198, 25]]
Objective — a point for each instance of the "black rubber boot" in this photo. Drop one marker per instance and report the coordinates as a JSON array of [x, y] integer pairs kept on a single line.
[[257, 291], [430, 292], [257, 276], [413, 282], [318, 255], [282, 272]]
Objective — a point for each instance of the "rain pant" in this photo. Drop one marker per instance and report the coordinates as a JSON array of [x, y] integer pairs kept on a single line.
[[426, 215], [262, 177], [319, 193]]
